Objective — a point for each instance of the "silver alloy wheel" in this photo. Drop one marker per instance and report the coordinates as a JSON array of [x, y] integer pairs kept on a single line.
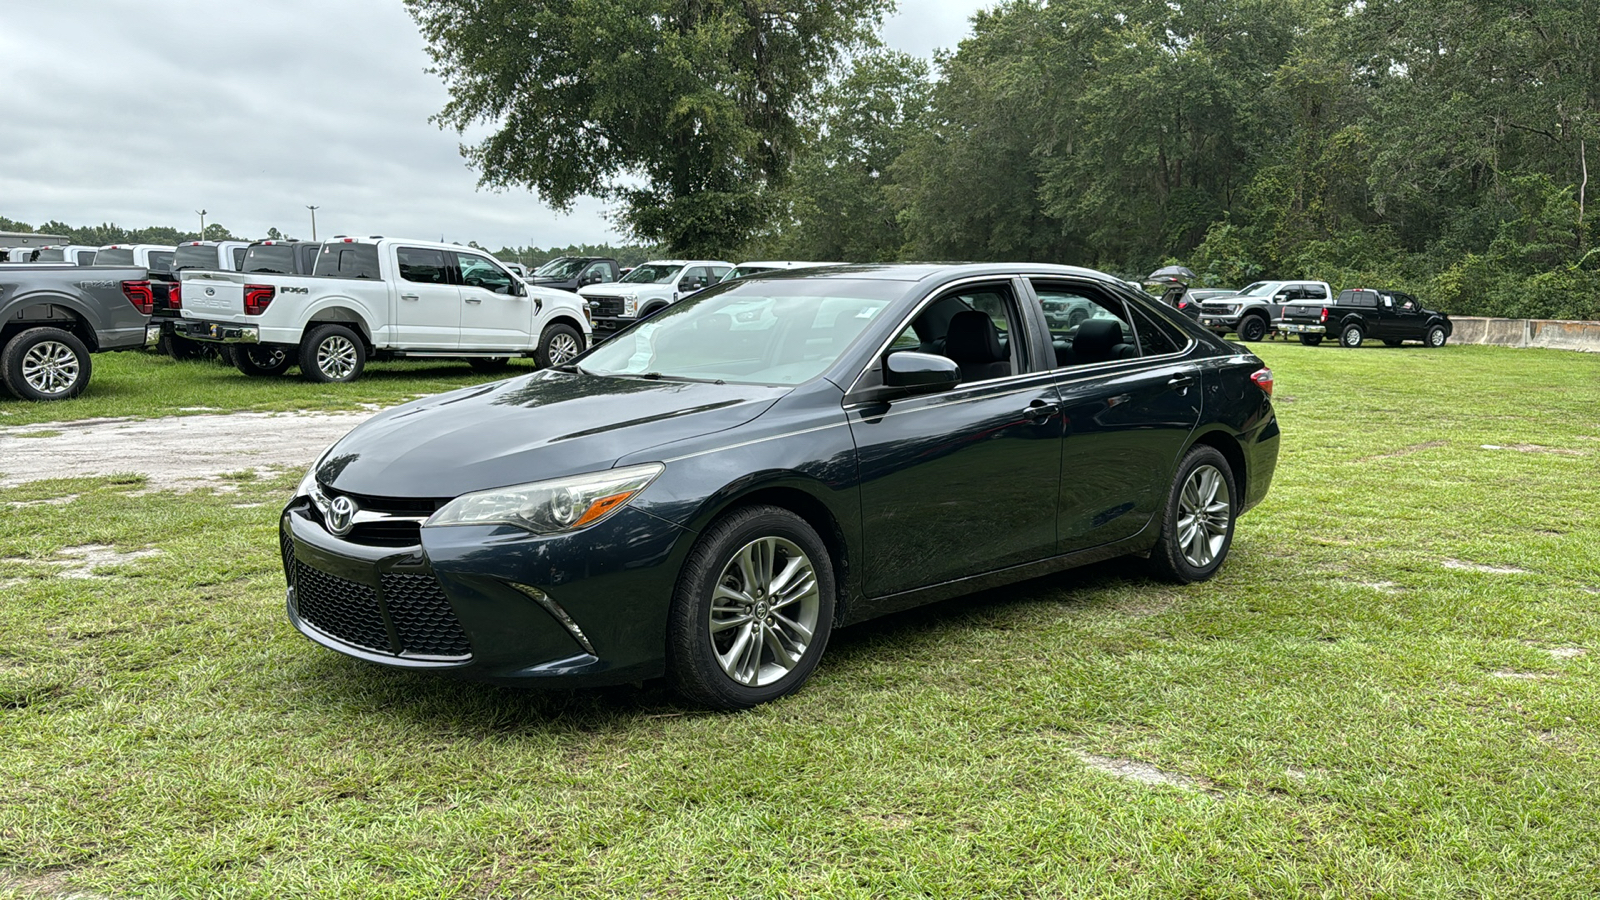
[[1352, 337], [50, 367], [563, 347], [1436, 336], [336, 357], [764, 611], [1204, 509]]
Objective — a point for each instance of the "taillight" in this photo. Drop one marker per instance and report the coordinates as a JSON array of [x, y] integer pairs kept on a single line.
[[1324, 314], [1263, 377], [141, 295], [257, 297], [175, 296]]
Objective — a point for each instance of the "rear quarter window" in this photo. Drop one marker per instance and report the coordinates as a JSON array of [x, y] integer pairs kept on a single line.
[[352, 260]]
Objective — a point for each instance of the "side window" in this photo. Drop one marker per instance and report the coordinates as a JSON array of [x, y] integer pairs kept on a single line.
[[974, 327], [1314, 292], [422, 266], [479, 272], [597, 273], [1087, 325], [719, 272], [1408, 303], [694, 278], [1155, 337], [1388, 301], [238, 258]]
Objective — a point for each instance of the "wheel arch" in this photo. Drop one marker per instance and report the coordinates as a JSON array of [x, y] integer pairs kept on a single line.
[[49, 311], [562, 318], [339, 315], [1232, 451]]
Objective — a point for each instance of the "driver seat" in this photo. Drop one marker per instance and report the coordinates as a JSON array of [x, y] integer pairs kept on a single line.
[[973, 343]]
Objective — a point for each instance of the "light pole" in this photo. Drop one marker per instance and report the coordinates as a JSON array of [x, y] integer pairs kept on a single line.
[[202, 214], [313, 220]]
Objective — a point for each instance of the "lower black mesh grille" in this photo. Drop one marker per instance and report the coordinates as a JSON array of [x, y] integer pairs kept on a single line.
[[340, 608], [422, 616], [286, 548]]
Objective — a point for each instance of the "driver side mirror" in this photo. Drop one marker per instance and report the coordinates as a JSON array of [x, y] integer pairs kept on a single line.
[[518, 288], [920, 373]]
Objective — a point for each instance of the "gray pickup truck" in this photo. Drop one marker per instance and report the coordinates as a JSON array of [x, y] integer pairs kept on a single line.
[[53, 316]]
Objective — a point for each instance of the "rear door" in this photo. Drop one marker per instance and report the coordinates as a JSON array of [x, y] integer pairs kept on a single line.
[[1131, 399], [493, 316], [427, 304]]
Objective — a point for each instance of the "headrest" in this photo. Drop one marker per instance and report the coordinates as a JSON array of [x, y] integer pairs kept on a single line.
[[1096, 337], [972, 338]]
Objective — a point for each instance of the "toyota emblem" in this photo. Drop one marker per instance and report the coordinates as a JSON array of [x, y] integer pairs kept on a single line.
[[341, 515]]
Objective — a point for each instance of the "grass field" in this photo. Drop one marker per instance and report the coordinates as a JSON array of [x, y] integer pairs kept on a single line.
[[1390, 690]]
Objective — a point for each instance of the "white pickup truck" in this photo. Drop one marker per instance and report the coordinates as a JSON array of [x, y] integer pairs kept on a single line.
[[378, 298], [648, 289], [1252, 311]]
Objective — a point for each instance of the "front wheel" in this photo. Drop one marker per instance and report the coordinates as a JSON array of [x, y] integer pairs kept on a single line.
[[332, 354], [752, 611], [1311, 340], [1252, 329], [260, 360], [1352, 335], [558, 345], [1197, 529], [1436, 336], [45, 364]]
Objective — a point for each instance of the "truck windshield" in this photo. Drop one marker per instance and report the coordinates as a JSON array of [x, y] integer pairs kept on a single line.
[[119, 257], [50, 254], [652, 273], [274, 259], [560, 268], [192, 257], [1260, 289]]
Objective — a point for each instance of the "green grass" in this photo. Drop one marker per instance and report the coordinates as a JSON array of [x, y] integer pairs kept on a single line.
[[142, 384], [1340, 688]]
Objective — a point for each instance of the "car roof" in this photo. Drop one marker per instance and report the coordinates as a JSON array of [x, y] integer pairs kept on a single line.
[[914, 272]]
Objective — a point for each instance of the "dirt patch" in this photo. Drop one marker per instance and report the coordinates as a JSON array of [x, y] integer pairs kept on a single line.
[[1144, 773], [1465, 566], [1407, 451], [1568, 652], [53, 501], [1535, 448], [1522, 676], [176, 453], [81, 562]]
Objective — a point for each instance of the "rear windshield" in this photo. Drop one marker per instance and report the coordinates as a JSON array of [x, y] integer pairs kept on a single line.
[[114, 257], [190, 257], [276, 259], [50, 255], [352, 260]]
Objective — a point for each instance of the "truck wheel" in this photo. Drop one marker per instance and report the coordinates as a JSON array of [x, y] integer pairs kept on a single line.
[[258, 360], [488, 365], [1311, 340], [558, 345], [1352, 335], [1436, 336], [1252, 328], [178, 347], [331, 354], [45, 364]]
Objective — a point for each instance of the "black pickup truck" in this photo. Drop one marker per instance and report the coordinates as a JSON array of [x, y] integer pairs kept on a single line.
[[53, 316], [568, 273], [1360, 313]]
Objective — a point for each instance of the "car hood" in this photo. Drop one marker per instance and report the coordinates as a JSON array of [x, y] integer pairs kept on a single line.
[[542, 426]]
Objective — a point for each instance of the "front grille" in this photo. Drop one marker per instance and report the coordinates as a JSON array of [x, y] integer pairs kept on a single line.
[[397, 533], [605, 306], [341, 608], [422, 616]]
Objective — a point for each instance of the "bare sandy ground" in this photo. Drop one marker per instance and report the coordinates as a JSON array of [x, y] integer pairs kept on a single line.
[[176, 453]]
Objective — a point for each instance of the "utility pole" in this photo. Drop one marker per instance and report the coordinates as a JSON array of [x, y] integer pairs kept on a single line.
[[313, 220], [202, 214]]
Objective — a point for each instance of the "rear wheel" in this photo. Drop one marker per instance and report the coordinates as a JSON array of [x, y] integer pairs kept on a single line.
[[259, 360], [1201, 509], [1436, 336], [1252, 328], [1311, 340], [332, 353], [1352, 335], [179, 347], [558, 345], [752, 611], [45, 364], [488, 365]]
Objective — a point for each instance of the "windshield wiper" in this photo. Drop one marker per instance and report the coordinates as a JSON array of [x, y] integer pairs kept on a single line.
[[569, 368]]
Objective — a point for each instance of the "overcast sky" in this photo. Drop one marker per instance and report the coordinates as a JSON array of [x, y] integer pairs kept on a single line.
[[141, 113]]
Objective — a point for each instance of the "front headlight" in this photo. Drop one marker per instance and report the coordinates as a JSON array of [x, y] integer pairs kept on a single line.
[[550, 507], [311, 490], [630, 304]]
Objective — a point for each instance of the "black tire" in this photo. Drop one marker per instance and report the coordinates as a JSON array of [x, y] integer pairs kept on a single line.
[[332, 354], [1436, 336], [696, 656], [488, 365], [558, 345], [1252, 328], [261, 360], [1171, 558], [1311, 340], [43, 364], [178, 347], [1352, 335]]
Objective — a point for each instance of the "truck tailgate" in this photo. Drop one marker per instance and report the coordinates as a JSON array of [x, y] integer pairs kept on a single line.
[[216, 296]]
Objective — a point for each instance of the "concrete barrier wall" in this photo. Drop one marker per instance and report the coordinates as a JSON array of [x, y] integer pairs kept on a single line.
[[1549, 333]]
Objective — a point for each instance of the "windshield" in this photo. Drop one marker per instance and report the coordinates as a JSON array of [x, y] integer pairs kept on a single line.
[[114, 257], [1260, 289], [192, 257], [49, 254], [559, 269], [742, 271], [652, 273], [275, 259], [776, 333]]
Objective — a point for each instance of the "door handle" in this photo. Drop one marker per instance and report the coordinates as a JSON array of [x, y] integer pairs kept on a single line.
[[410, 297], [1180, 382], [473, 299], [1041, 409]]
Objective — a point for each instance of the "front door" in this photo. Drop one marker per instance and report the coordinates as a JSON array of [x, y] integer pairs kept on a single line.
[[493, 316], [427, 303], [964, 481]]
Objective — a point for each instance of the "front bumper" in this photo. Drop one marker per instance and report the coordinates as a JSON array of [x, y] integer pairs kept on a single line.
[[606, 326], [489, 602], [217, 332], [1219, 321]]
